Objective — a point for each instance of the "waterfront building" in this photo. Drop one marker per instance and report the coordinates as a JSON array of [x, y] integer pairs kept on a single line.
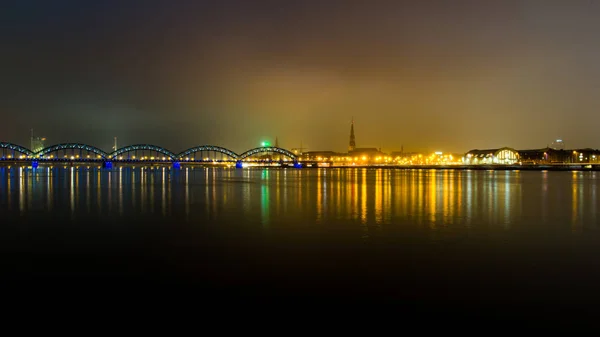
[[363, 155], [545, 155], [366, 154], [503, 155], [582, 156], [322, 155]]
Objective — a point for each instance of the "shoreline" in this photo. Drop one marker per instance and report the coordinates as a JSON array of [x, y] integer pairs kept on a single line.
[[554, 167], [496, 167]]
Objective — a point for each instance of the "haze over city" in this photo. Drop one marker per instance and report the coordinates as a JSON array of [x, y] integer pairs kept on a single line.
[[425, 75]]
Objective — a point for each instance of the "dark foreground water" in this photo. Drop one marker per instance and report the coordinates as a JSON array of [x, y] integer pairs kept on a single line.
[[477, 244]]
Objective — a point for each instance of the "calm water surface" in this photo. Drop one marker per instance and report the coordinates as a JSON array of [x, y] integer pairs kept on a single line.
[[421, 239]]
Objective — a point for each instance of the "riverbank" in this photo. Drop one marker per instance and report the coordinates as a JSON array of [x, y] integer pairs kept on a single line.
[[496, 167], [527, 167]]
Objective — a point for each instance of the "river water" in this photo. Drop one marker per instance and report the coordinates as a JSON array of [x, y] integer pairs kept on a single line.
[[427, 241]]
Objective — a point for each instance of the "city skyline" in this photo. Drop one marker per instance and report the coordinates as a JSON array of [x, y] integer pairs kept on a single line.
[[40, 143], [274, 141], [426, 76]]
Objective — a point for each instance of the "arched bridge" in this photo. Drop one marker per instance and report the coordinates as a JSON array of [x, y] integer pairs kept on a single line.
[[71, 146], [117, 155], [207, 148], [267, 149], [10, 150], [142, 153]]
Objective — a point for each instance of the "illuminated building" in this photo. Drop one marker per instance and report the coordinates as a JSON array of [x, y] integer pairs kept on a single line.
[[37, 143], [558, 144], [503, 155], [366, 154], [355, 156], [402, 154], [545, 155], [584, 155], [322, 156], [550, 155]]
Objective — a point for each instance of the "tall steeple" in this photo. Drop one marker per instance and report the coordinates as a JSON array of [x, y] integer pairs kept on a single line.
[[276, 142], [352, 144]]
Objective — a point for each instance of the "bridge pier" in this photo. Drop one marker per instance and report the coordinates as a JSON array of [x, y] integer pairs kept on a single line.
[[107, 164], [176, 165], [297, 164], [238, 164], [34, 164]]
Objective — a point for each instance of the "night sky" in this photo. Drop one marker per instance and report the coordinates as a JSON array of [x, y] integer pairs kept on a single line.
[[429, 75]]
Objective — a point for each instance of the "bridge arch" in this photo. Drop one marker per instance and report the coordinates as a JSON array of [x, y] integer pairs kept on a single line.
[[212, 148], [142, 147], [71, 146], [18, 148], [267, 149]]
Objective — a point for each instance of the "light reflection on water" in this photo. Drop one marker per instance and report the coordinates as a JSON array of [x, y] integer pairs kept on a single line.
[[436, 200]]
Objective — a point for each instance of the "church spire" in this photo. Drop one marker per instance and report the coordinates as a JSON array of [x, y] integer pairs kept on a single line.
[[276, 142], [352, 144]]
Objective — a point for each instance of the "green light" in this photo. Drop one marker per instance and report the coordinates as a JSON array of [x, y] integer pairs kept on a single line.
[[265, 144]]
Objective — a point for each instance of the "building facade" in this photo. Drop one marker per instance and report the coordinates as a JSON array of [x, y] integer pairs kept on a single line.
[[37, 144], [546, 155], [505, 155]]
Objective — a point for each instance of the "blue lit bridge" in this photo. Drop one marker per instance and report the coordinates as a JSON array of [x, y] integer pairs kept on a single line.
[[147, 153]]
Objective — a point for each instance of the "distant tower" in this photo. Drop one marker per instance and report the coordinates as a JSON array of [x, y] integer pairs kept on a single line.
[[298, 150], [115, 148], [558, 144], [352, 144], [37, 143], [276, 142]]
